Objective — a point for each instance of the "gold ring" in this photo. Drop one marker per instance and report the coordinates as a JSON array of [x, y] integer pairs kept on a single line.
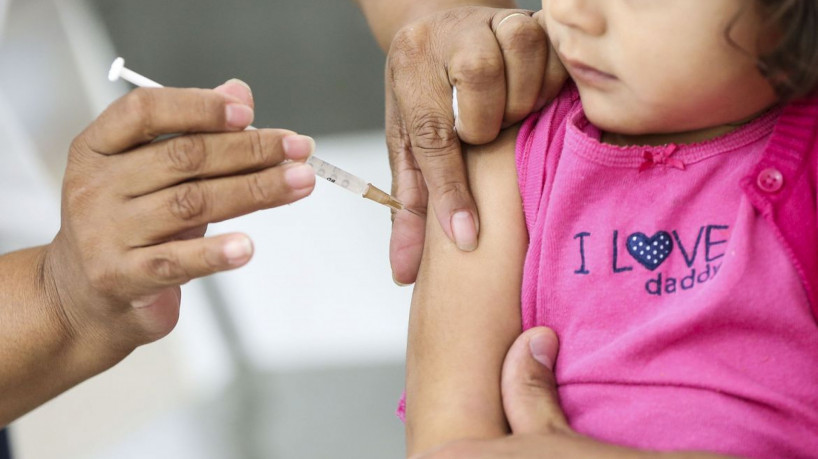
[[502, 21]]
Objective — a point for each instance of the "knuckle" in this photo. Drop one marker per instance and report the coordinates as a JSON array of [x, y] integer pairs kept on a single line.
[[165, 269], [83, 178], [457, 15], [77, 149], [259, 192], [432, 135], [78, 156], [449, 189], [410, 48], [140, 104], [211, 262], [477, 70], [522, 37], [187, 154], [78, 199], [410, 44], [188, 202], [259, 151]]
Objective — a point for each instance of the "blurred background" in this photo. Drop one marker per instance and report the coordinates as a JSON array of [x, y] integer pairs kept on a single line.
[[298, 355]]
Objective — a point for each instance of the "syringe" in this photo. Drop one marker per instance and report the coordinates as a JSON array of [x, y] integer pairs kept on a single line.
[[322, 168]]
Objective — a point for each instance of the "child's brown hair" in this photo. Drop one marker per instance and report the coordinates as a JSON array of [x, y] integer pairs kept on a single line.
[[792, 64]]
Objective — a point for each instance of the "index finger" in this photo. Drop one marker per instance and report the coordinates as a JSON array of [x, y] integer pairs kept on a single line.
[[408, 229], [425, 105], [147, 113]]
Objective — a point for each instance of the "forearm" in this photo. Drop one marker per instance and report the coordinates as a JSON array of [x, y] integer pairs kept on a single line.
[[39, 356], [465, 313], [386, 17]]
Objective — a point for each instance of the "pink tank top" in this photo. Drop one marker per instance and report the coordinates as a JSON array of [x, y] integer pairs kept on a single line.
[[683, 323]]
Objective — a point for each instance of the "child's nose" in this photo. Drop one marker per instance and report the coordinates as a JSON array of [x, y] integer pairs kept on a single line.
[[584, 15]]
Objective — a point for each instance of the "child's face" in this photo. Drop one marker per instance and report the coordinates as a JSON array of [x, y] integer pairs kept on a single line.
[[661, 66]]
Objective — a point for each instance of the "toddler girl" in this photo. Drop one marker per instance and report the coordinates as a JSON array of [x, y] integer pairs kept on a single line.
[[661, 219]]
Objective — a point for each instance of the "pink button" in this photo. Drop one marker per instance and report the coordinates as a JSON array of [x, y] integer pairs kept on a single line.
[[770, 180]]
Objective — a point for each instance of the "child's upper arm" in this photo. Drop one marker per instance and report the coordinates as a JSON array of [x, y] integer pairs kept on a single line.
[[466, 311]]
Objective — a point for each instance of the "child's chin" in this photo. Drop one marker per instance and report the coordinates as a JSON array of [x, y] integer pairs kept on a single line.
[[618, 124]]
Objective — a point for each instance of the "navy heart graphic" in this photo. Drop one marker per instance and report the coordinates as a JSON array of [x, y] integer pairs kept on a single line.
[[650, 252]]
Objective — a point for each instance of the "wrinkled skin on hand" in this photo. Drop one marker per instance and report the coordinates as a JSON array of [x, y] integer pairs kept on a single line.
[[136, 205], [502, 74]]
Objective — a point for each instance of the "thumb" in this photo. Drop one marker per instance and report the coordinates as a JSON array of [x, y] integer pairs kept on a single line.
[[529, 390]]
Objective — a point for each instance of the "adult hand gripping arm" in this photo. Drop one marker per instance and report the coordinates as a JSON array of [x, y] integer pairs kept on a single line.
[[498, 59], [538, 425]]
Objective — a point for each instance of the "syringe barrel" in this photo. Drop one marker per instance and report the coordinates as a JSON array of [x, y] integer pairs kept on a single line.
[[337, 176], [322, 168]]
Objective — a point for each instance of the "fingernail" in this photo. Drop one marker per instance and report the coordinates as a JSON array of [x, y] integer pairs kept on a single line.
[[464, 231], [238, 115], [398, 283], [299, 176], [238, 250], [242, 83], [543, 349], [298, 147]]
